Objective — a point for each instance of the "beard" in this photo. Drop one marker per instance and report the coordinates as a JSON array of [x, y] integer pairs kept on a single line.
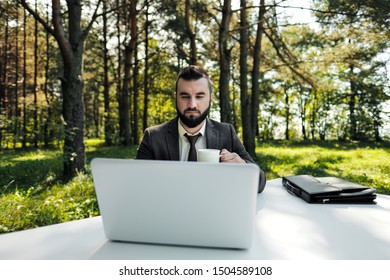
[[192, 121]]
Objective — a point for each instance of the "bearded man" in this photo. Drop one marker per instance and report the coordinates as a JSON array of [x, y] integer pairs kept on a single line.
[[191, 130]]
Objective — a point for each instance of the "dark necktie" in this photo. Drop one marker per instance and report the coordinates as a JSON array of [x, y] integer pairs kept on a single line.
[[192, 139]]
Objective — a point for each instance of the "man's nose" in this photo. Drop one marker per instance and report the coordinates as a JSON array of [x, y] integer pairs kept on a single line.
[[192, 102]]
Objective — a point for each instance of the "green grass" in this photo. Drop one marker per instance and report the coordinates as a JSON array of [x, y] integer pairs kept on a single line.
[[364, 163], [32, 192]]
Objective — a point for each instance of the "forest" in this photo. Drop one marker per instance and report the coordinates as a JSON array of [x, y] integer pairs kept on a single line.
[[82, 69]]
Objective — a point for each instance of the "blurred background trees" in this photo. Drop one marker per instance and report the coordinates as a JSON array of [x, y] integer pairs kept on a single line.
[[281, 69]]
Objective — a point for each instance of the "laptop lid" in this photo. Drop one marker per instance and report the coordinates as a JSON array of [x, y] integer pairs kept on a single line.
[[173, 202]]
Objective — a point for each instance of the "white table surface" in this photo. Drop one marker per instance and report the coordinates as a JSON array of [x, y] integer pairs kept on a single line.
[[286, 228]]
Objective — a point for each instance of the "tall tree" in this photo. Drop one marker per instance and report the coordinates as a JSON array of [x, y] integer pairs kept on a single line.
[[121, 112], [256, 68], [35, 86], [190, 33], [4, 72], [106, 83], [146, 68], [70, 41], [224, 62], [364, 24], [46, 126], [287, 110], [248, 138], [3, 69], [352, 103], [16, 89], [134, 43], [129, 56], [179, 29]]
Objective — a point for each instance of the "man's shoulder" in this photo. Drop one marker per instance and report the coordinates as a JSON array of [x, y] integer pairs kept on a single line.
[[220, 125], [162, 127]]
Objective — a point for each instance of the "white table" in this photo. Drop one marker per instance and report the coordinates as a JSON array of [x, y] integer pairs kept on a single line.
[[286, 228]]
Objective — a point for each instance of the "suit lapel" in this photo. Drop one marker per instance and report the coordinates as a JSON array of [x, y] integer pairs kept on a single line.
[[172, 140], [212, 136]]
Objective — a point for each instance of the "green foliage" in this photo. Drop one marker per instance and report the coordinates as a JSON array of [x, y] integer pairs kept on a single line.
[[377, 11]]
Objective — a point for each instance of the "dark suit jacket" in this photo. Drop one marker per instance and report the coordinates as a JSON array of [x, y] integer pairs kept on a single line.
[[161, 142]]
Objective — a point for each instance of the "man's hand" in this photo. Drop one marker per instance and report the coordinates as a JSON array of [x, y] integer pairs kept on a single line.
[[227, 156]]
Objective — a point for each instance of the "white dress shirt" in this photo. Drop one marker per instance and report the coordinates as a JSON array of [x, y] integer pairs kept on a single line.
[[184, 144]]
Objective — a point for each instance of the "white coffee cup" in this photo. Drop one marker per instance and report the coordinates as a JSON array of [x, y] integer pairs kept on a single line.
[[208, 155]]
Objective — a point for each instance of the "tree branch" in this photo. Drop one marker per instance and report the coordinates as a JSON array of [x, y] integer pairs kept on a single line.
[[37, 17], [93, 19], [60, 35], [290, 60]]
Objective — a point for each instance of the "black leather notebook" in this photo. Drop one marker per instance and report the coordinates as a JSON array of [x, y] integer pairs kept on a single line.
[[328, 189]]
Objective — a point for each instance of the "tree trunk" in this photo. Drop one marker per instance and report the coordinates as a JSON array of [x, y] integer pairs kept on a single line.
[[24, 85], [135, 98], [4, 82], [16, 91], [352, 105], [47, 127], [106, 84], [190, 33], [377, 122], [96, 114], [313, 119], [124, 103], [302, 112], [224, 63], [133, 46], [287, 117], [146, 70], [35, 110], [6, 75], [71, 47], [248, 138], [125, 106], [72, 86], [256, 69], [119, 75], [73, 113]]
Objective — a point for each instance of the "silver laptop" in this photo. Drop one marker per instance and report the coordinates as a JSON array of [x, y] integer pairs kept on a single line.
[[180, 203]]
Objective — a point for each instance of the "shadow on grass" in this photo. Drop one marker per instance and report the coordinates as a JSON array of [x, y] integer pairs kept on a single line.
[[320, 167], [40, 169], [331, 144], [24, 169], [111, 152]]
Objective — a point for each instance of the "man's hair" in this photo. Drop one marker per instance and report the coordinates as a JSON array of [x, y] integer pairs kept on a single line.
[[194, 72]]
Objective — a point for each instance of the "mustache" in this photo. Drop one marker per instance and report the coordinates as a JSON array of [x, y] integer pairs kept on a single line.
[[191, 110]]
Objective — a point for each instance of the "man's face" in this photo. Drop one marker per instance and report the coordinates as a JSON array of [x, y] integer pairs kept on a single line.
[[193, 100]]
